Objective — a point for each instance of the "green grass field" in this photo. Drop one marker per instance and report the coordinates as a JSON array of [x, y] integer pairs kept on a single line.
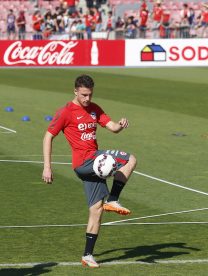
[[168, 133]]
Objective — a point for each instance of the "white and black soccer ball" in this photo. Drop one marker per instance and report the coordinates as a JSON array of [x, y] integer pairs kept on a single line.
[[105, 165]]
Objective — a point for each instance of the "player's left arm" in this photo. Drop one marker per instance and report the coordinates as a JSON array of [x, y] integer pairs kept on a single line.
[[116, 127]]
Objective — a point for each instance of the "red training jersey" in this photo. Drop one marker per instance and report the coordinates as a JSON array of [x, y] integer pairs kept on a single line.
[[166, 17], [79, 126], [157, 13], [37, 21], [143, 17], [71, 3], [205, 16]]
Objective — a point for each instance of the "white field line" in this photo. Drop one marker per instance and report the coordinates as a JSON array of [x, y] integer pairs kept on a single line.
[[33, 162], [157, 223], [103, 224], [42, 226], [159, 215], [51, 264], [6, 132], [142, 174], [9, 129], [170, 183]]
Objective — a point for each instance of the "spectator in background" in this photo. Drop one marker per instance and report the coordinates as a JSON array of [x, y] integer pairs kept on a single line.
[[191, 17], [68, 22], [185, 12], [58, 17], [119, 28], [97, 19], [21, 25], [204, 21], [143, 17], [165, 24], [184, 23], [72, 5], [37, 21], [80, 29], [11, 31], [143, 5], [73, 31], [110, 23], [89, 23], [120, 23], [156, 16], [130, 28], [192, 23], [49, 26]]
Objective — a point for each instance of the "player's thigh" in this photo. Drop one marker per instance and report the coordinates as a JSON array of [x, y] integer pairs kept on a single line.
[[121, 157]]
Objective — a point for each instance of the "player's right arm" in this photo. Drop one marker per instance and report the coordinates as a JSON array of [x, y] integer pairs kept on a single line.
[[56, 125], [47, 175]]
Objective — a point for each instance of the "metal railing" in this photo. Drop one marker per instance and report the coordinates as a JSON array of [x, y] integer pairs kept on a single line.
[[166, 32]]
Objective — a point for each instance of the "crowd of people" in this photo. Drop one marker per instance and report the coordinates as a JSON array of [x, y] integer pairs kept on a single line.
[[161, 22], [67, 18]]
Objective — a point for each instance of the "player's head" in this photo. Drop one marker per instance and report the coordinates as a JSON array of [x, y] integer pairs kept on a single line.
[[84, 81], [83, 91]]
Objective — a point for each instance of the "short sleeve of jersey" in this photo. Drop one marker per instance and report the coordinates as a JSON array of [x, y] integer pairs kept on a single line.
[[58, 122], [102, 117]]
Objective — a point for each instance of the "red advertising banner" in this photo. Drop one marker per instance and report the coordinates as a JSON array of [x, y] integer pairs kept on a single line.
[[62, 53]]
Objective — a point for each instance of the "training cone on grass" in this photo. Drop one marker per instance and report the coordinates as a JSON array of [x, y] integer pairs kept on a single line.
[[48, 118], [26, 118], [9, 109]]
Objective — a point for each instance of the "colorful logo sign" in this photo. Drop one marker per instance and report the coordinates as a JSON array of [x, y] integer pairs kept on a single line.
[[153, 52]]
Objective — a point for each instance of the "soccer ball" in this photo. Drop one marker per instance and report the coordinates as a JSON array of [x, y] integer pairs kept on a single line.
[[104, 165]]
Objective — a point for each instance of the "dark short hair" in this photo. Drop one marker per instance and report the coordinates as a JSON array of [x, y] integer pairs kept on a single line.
[[84, 81]]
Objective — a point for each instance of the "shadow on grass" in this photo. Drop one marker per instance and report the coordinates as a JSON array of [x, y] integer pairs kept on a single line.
[[29, 271], [150, 253]]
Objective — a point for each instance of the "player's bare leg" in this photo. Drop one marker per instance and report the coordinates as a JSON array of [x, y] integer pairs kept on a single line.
[[95, 215], [120, 179], [125, 172], [93, 227]]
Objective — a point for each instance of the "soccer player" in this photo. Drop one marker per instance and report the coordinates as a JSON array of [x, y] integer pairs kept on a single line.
[[78, 120]]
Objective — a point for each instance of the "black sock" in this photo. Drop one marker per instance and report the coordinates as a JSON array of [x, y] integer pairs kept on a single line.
[[116, 190], [90, 243]]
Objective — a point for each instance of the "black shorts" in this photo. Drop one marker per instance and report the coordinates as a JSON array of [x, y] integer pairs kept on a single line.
[[96, 188]]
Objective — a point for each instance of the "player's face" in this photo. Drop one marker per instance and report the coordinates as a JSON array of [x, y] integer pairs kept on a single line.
[[83, 96]]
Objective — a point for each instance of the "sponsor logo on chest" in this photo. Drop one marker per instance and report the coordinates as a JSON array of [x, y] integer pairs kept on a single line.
[[85, 126]]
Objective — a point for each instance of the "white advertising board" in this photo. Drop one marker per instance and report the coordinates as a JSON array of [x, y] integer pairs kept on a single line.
[[166, 52]]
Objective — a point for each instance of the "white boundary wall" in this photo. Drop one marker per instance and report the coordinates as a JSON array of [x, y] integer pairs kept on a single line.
[[177, 52]]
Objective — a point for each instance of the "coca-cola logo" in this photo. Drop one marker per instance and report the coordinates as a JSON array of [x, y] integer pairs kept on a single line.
[[88, 136], [54, 52]]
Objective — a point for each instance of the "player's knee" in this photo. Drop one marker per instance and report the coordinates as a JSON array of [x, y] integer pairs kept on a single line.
[[132, 161], [96, 210]]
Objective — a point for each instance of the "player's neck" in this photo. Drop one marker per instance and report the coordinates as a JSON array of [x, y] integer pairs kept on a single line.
[[78, 103]]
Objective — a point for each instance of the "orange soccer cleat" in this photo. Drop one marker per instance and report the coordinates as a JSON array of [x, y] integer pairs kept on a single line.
[[89, 261], [115, 206]]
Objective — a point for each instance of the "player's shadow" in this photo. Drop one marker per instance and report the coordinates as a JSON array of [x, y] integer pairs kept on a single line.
[[150, 253], [30, 271]]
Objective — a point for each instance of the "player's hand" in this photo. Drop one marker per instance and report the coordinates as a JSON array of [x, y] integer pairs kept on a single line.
[[124, 123], [47, 175]]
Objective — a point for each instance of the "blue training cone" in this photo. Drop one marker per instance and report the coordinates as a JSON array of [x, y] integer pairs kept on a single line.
[[9, 109], [48, 118], [25, 118]]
